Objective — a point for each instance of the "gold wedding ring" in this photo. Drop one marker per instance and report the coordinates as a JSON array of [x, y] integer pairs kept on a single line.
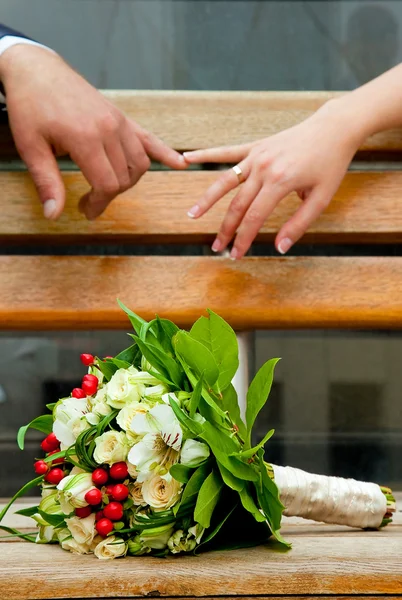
[[239, 173]]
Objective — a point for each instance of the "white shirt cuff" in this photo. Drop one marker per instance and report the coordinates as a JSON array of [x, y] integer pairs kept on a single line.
[[11, 40]]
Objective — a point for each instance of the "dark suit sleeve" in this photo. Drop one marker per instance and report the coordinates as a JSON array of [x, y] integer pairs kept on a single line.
[[9, 31]]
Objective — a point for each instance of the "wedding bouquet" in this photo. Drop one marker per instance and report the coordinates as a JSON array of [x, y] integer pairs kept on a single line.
[[152, 456]]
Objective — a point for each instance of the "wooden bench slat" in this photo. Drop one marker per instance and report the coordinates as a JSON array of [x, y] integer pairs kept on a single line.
[[349, 564], [188, 120], [293, 292], [367, 208]]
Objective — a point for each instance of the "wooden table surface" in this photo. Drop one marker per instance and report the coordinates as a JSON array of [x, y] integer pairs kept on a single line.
[[324, 560]]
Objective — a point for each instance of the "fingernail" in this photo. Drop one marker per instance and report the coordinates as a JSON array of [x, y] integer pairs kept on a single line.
[[50, 209], [186, 154], [216, 246], [284, 245], [234, 254], [194, 212]]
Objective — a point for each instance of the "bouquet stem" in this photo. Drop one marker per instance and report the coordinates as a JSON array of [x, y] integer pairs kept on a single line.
[[333, 499]]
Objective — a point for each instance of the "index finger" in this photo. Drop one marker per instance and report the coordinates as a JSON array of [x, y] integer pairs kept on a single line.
[[221, 154]]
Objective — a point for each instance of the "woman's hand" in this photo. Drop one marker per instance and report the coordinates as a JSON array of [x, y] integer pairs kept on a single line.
[[54, 111], [310, 159]]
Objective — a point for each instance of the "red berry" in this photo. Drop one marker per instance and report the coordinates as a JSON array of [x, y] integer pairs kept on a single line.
[[78, 393], [119, 471], [113, 511], [41, 467], [50, 443], [120, 492], [87, 359], [99, 515], [93, 497], [89, 377], [54, 476], [109, 490], [100, 476], [89, 387], [83, 512], [56, 461], [104, 526]]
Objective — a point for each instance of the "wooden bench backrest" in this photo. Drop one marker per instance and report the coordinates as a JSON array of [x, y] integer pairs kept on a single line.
[[79, 292]]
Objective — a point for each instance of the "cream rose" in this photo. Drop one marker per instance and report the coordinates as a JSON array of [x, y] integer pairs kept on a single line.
[[67, 542], [72, 490], [136, 494], [111, 547], [120, 391], [111, 447], [127, 414], [161, 492], [82, 530]]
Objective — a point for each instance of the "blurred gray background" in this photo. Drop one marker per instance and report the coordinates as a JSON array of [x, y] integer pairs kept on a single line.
[[337, 401]]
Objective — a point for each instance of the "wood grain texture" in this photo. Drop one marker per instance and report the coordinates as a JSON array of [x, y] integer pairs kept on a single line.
[[348, 564], [367, 208], [188, 120], [254, 293]]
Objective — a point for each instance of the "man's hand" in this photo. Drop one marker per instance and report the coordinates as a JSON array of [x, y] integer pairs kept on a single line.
[[54, 111]]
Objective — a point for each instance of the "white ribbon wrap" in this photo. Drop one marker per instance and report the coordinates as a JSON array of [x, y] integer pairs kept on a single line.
[[330, 499]]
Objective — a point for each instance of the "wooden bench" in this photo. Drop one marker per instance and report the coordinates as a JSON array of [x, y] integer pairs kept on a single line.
[[67, 291]]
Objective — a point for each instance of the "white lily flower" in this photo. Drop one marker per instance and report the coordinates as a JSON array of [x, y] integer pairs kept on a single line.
[[159, 448], [69, 420], [193, 453]]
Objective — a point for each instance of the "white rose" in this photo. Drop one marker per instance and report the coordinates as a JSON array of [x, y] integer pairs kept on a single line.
[[82, 530], [67, 542], [136, 494], [99, 406], [193, 453], [157, 537], [67, 414], [111, 447], [127, 414], [111, 547], [120, 391], [72, 490], [161, 492], [46, 534]]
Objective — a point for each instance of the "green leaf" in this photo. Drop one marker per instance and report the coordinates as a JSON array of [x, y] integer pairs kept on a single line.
[[52, 519], [268, 498], [230, 403], [249, 504], [107, 367], [193, 486], [230, 480], [55, 456], [180, 472], [220, 339], [28, 537], [216, 529], [51, 406], [120, 364], [27, 512], [43, 424], [205, 393], [197, 357], [222, 447], [207, 499], [196, 397], [21, 492], [258, 393], [193, 426], [132, 355], [161, 362], [136, 321], [252, 451]]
